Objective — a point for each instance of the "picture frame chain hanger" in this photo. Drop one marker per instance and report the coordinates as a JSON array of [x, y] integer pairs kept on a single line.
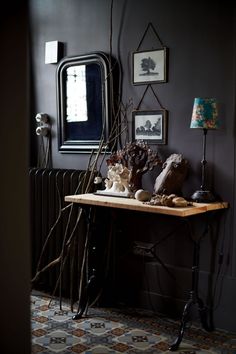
[[149, 26], [155, 95]]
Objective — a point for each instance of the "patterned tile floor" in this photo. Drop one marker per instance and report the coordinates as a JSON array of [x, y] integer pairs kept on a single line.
[[109, 331]]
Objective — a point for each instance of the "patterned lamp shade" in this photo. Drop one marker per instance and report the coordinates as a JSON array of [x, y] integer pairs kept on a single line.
[[205, 114]]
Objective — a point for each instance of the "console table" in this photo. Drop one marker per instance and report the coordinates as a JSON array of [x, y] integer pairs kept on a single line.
[[93, 200]]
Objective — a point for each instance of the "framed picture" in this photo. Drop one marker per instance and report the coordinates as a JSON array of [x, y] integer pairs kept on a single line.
[[150, 126], [149, 66]]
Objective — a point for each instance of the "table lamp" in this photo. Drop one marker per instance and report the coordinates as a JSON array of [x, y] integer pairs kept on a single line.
[[204, 117]]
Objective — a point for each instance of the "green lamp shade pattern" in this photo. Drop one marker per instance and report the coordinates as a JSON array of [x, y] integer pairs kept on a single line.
[[205, 114]]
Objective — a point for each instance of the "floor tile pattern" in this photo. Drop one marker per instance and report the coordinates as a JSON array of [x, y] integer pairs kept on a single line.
[[109, 331]]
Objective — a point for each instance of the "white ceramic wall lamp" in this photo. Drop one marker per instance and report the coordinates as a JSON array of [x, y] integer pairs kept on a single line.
[[43, 127]]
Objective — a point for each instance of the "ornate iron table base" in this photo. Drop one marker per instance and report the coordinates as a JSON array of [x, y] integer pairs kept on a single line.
[[194, 300]]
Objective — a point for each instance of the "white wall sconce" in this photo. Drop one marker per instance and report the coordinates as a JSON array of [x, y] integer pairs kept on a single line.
[[43, 127]]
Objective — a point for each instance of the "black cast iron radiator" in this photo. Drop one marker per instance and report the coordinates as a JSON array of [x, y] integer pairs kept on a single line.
[[48, 188]]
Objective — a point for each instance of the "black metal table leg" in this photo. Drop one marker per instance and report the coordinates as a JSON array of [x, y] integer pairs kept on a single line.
[[85, 300], [184, 320], [88, 276], [194, 299], [92, 271]]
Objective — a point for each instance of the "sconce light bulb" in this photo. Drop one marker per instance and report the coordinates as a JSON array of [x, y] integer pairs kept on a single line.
[[43, 130], [41, 117]]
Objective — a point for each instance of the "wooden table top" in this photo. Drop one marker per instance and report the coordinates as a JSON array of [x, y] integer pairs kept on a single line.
[[133, 204]]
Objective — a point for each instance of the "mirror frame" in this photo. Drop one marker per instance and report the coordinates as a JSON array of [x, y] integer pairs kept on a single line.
[[82, 146]]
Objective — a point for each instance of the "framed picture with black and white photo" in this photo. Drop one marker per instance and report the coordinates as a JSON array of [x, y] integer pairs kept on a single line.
[[149, 66], [150, 126]]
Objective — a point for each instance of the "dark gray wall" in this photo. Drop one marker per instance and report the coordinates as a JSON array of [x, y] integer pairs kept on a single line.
[[14, 216], [201, 42]]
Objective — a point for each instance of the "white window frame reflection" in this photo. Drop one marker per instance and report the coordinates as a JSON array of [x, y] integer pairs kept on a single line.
[[76, 91]]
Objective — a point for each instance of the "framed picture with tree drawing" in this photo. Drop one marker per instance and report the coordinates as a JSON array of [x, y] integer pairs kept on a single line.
[[149, 66], [150, 126]]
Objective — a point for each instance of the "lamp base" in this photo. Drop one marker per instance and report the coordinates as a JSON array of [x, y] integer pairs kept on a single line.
[[203, 197]]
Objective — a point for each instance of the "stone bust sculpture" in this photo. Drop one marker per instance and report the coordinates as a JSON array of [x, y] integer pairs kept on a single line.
[[174, 172]]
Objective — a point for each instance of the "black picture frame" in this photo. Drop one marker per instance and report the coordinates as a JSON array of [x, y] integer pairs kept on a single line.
[[149, 67], [150, 126]]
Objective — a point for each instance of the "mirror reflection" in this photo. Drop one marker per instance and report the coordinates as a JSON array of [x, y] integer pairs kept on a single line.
[[76, 94]]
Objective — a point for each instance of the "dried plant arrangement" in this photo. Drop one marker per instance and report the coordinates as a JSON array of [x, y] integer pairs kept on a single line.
[[137, 158], [86, 184]]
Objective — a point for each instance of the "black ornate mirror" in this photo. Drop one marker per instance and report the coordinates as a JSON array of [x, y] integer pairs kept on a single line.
[[83, 107]]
